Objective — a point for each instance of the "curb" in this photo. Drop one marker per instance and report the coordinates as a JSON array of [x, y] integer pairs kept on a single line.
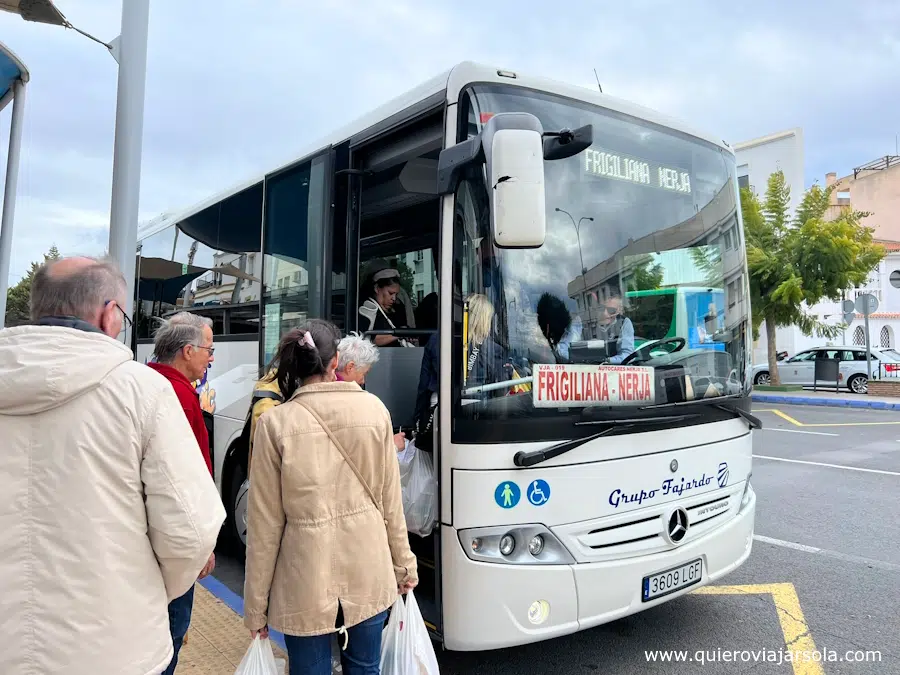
[[828, 402], [236, 604]]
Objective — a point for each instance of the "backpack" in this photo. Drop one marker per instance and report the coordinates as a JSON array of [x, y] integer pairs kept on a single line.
[[258, 395]]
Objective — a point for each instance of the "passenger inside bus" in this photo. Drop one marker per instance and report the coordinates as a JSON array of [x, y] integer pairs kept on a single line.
[[426, 394], [486, 360], [380, 289], [486, 363]]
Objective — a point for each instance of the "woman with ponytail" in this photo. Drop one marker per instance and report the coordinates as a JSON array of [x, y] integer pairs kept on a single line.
[[327, 548]]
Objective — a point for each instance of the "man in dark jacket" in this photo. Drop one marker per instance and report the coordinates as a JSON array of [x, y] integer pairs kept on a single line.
[[183, 350]]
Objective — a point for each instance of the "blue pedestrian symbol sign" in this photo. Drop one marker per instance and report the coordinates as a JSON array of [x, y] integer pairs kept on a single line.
[[538, 492], [507, 494]]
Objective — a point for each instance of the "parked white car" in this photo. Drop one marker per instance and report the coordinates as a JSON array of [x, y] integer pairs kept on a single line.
[[853, 372]]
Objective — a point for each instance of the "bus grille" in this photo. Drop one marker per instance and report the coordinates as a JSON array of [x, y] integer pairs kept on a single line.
[[642, 532]]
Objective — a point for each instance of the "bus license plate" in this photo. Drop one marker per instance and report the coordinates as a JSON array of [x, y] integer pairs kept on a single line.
[[672, 580]]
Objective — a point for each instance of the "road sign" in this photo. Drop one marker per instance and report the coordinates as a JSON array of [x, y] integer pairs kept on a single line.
[[866, 304], [849, 309]]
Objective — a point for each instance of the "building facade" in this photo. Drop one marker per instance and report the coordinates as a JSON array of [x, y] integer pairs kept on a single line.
[[761, 157]]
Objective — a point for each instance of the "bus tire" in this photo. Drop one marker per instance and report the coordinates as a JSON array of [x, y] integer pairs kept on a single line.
[[236, 477]]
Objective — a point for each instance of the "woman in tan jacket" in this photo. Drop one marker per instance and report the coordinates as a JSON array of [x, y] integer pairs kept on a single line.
[[327, 548]]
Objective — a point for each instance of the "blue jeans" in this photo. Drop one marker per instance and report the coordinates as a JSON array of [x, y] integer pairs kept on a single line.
[[312, 655], [179, 620]]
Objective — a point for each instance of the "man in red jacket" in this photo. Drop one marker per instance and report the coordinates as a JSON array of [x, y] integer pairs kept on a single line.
[[183, 350]]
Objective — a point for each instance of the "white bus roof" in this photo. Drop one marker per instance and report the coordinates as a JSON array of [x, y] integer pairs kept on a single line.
[[451, 83]]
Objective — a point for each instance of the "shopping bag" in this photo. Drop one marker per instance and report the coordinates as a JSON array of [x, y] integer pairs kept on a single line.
[[426, 659], [418, 485], [396, 656], [259, 659], [406, 647]]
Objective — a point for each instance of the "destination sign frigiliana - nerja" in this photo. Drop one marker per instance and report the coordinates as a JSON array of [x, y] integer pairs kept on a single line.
[[621, 167]]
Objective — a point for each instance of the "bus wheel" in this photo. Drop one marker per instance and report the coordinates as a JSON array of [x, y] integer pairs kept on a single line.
[[237, 508]]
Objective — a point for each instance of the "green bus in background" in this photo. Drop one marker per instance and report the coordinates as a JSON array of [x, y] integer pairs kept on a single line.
[[694, 313]]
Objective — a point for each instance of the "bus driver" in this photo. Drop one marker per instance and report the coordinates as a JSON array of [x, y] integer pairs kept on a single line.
[[616, 330]]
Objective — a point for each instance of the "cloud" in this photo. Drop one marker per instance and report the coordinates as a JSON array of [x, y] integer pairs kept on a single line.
[[235, 88]]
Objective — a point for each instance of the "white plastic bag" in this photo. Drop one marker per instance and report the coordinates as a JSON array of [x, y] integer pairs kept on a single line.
[[419, 487], [259, 659], [406, 647]]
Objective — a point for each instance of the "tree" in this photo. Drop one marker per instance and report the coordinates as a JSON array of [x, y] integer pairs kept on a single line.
[[18, 297], [708, 260], [646, 277], [795, 263], [407, 278]]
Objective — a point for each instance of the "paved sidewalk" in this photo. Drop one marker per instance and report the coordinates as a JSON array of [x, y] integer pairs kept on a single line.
[[217, 639], [826, 398]]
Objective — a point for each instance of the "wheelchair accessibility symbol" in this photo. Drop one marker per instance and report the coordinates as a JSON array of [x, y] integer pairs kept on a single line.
[[538, 492]]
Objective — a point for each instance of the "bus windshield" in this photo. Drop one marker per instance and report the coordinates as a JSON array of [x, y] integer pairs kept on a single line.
[[637, 298]]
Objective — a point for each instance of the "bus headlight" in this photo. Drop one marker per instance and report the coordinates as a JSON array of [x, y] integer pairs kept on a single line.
[[748, 493], [516, 545]]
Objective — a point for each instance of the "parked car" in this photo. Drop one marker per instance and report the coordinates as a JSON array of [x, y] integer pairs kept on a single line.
[[853, 372]]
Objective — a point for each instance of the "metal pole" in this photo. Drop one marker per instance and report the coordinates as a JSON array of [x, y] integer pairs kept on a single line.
[[868, 348], [9, 192], [126, 182], [843, 332]]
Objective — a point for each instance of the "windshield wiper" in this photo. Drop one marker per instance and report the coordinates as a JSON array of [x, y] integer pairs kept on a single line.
[[752, 420], [726, 403], [525, 459]]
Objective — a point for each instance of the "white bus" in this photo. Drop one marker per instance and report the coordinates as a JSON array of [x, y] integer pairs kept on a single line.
[[576, 484]]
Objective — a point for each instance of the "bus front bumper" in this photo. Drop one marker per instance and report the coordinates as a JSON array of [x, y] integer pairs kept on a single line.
[[487, 606]]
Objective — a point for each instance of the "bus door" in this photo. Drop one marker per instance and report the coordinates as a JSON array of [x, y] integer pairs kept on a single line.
[[393, 225]]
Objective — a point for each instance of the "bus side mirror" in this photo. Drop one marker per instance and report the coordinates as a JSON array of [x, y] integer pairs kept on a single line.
[[516, 176], [512, 147]]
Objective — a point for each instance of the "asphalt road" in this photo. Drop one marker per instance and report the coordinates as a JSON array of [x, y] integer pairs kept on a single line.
[[825, 563]]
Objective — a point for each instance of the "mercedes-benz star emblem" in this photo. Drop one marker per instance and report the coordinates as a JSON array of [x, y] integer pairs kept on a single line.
[[677, 527], [673, 465]]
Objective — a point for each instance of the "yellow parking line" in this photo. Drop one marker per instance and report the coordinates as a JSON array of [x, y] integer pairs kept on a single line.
[[788, 418], [797, 636]]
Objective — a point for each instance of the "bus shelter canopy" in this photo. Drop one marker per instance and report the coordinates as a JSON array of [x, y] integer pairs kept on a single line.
[[11, 69], [164, 280]]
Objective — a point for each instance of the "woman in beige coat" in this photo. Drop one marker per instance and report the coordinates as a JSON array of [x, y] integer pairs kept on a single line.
[[327, 548]]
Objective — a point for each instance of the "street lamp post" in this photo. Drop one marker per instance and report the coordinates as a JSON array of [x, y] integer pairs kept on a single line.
[[581, 256], [578, 236], [130, 52], [128, 145]]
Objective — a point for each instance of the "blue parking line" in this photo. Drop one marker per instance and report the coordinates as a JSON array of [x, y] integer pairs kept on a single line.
[[235, 603], [828, 402]]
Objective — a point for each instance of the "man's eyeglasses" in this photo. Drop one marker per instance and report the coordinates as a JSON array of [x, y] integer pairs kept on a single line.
[[126, 320], [211, 350]]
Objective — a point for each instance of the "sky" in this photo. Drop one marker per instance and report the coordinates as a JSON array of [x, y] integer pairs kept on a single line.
[[238, 87]]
